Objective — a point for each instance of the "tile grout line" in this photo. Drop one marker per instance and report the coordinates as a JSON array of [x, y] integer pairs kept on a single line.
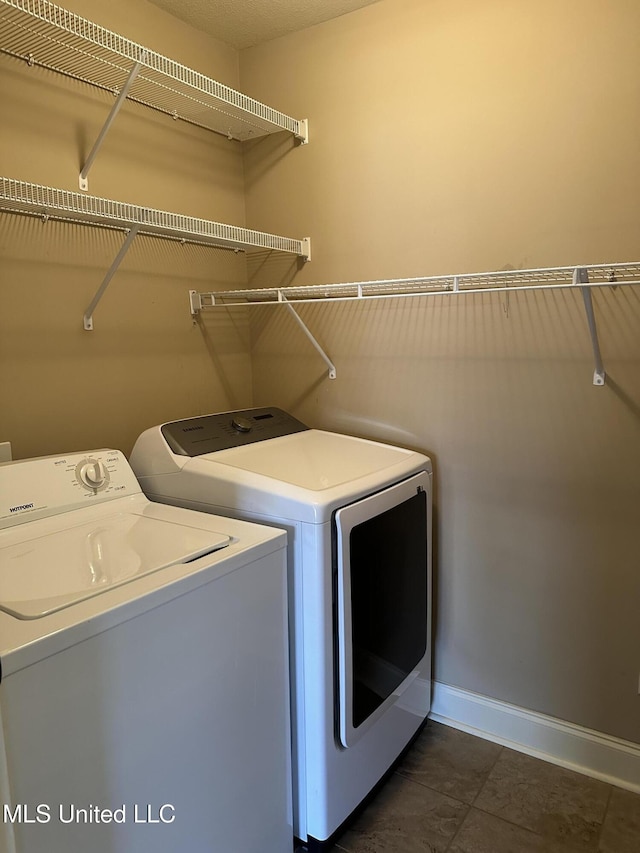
[[486, 779], [605, 815], [459, 829], [472, 804], [469, 806], [527, 828], [442, 794]]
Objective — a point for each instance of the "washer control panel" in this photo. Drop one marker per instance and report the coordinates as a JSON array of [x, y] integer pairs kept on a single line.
[[48, 485], [210, 433]]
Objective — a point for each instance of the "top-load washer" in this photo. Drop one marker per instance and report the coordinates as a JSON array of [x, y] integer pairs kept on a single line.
[[358, 514], [144, 695]]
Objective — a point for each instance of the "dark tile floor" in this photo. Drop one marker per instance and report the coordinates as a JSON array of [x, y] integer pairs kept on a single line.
[[457, 793]]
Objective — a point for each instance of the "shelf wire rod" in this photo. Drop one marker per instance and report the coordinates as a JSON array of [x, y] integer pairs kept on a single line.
[[88, 314], [115, 109]]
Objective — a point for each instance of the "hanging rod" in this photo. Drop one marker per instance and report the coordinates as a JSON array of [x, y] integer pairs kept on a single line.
[[50, 203], [51, 37], [583, 277]]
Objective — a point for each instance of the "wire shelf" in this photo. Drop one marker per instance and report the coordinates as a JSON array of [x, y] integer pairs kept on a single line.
[[488, 282], [48, 202], [49, 36], [581, 277]]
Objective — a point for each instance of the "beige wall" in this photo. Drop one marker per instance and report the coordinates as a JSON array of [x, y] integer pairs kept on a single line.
[[457, 136], [445, 137], [145, 362]]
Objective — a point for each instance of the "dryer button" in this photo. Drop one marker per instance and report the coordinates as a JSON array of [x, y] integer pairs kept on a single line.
[[241, 424]]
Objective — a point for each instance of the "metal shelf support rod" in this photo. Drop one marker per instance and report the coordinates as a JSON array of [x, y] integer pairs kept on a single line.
[[581, 276], [88, 314], [332, 368], [83, 181]]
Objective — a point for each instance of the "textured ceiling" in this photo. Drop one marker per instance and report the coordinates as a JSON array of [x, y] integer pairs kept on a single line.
[[243, 23]]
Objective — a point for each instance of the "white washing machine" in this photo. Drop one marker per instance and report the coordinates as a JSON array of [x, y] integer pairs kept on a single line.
[[144, 694], [358, 514]]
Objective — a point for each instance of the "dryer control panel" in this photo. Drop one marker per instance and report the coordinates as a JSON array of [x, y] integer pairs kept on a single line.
[[48, 485], [210, 433]]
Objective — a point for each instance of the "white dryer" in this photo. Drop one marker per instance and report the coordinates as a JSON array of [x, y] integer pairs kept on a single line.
[[358, 514], [144, 695]]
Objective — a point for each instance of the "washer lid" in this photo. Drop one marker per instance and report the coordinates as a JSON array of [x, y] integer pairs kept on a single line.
[[43, 573], [313, 460]]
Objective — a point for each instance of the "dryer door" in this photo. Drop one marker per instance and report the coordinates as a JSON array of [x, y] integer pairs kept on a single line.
[[382, 570]]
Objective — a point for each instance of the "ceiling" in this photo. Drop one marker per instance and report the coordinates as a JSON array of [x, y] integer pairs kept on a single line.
[[243, 23]]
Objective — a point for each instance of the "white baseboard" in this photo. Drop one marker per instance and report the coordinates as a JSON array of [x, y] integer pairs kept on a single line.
[[595, 754]]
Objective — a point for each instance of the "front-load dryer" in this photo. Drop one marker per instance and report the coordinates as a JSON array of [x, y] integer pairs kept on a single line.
[[358, 514], [144, 695]]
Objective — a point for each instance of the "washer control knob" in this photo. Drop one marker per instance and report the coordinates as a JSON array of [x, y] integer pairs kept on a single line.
[[93, 474], [241, 424]]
